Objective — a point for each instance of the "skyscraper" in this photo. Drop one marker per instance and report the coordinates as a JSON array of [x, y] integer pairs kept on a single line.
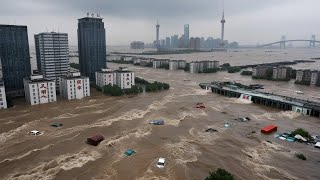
[[91, 46], [168, 44], [186, 35], [222, 28], [157, 34], [52, 53], [15, 58]]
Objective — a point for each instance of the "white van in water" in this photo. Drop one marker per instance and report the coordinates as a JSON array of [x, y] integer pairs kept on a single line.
[[34, 133], [160, 163]]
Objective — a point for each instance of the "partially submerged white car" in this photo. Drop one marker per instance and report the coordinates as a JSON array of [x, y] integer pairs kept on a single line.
[[161, 162], [34, 133]]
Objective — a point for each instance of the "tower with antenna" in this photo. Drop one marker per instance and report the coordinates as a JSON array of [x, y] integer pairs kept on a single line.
[[157, 35], [222, 28]]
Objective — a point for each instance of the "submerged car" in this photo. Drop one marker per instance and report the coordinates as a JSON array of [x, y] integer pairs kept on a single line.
[[157, 122], [129, 152], [161, 162], [34, 133], [56, 125]]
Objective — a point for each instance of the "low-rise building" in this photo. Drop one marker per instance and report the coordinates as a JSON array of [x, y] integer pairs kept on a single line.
[[114, 58], [127, 58], [261, 71], [74, 86], [281, 73], [202, 66], [303, 76], [124, 78], [315, 78], [39, 90], [105, 77], [3, 100], [177, 64], [160, 63]]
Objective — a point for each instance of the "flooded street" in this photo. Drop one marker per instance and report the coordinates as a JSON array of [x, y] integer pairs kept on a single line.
[[190, 152]]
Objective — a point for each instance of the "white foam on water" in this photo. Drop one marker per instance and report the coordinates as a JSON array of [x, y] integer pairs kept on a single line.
[[26, 154], [264, 116], [127, 116], [48, 170], [288, 114], [8, 135], [92, 100], [183, 151], [137, 133], [66, 116], [204, 137], [89, 106], [257, 158], [15, 117], [238, 101]]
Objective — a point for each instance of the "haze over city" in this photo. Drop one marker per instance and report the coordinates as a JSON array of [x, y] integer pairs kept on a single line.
[[247, 21]]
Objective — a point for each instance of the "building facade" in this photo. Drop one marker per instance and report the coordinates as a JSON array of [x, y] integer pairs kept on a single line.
[[177, 64], [261, 71], [281, 73], [105, 77], [160, 63], [125, 78], [315, 78], [202, 66], [303, 76], [3, 99], [15, 57], [74, 86], [52, 51], [137, 45], [186, 36], [91, 46], [39, 90]]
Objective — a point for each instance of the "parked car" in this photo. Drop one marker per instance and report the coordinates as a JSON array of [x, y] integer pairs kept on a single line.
[[161, 162], [56, 125], [34, 133]]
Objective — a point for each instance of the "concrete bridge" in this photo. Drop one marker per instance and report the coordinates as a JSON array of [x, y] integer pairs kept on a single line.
[[272, 100], [312, 42]]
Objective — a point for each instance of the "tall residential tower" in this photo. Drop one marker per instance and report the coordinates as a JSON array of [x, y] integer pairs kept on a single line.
[[91, 45], [15, 58], [52, 53], [186, 36]]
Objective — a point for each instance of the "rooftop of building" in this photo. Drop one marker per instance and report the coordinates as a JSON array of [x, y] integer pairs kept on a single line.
[[8, 25], [52, 33], [91, 18], [74, 75], [35, 78]]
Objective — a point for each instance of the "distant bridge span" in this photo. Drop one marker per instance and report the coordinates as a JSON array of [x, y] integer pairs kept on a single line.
[[294, 40]]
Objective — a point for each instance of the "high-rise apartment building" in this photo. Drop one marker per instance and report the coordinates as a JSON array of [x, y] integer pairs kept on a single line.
[[168, 44], [52, 53], [281, 73], [91, 46], [186, 36], [15, 58]]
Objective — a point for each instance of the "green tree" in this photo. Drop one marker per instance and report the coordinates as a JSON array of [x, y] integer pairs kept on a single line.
[[220, 174]]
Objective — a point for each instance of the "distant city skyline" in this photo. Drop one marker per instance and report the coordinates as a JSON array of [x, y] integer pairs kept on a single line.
[[249, 22]]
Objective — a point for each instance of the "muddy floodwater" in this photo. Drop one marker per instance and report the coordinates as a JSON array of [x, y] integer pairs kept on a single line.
[[190, 152]]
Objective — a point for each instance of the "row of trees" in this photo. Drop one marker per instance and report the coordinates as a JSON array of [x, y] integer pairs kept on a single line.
[[115, 90], [149, 87], [142, 84]]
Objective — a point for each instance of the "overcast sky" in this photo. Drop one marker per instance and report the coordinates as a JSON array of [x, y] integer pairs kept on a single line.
[[247, 21]]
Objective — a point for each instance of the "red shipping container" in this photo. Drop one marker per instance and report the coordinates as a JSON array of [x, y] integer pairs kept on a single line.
[[269, 129]]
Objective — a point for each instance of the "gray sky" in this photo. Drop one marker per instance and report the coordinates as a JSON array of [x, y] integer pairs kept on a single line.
[[247, 21]]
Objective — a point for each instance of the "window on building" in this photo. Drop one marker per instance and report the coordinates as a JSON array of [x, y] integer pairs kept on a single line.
[[32, 86], [35, 101], [34, 94], [34, 98], [33, 90], [51, 95], [1, 103], [0, 99], [128, 83]]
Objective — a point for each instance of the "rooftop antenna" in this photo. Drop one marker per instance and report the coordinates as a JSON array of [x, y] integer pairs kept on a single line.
[[47, 29], [87, 14], [92, 15]]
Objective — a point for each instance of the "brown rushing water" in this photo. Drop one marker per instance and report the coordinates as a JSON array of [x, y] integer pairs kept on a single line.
[[61, 153]]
